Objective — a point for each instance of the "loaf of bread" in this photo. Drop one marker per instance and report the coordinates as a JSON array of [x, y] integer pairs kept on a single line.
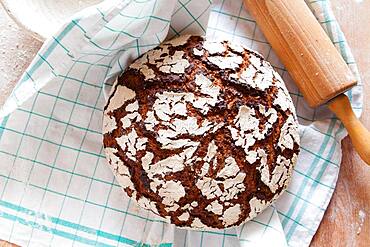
[[202, 133]]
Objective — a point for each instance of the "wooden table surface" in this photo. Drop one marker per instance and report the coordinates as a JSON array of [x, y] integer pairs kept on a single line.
[[346, 222]]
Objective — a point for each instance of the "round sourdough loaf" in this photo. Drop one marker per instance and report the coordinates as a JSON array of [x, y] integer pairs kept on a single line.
[[202, 133]]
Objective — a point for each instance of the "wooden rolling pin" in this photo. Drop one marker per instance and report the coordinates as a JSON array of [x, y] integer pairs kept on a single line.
[[312, 61]]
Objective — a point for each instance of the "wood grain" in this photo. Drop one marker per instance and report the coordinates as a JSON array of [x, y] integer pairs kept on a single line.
[[358, 133], [352, 195], [340, 225], [7, 244], [304, 48], [311, 59]]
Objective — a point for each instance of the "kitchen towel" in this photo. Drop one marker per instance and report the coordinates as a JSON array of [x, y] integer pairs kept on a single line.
[[55, 186]]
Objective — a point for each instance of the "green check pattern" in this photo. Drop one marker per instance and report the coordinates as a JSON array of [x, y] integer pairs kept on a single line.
[[55, 186]]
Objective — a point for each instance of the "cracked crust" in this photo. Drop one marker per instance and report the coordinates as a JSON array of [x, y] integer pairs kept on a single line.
[[201, 133]]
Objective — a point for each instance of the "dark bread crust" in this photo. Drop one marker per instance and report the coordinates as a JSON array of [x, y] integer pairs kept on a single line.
[[253, 193]]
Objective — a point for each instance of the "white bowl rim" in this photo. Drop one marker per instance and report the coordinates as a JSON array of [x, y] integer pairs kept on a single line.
[[35, 34]]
